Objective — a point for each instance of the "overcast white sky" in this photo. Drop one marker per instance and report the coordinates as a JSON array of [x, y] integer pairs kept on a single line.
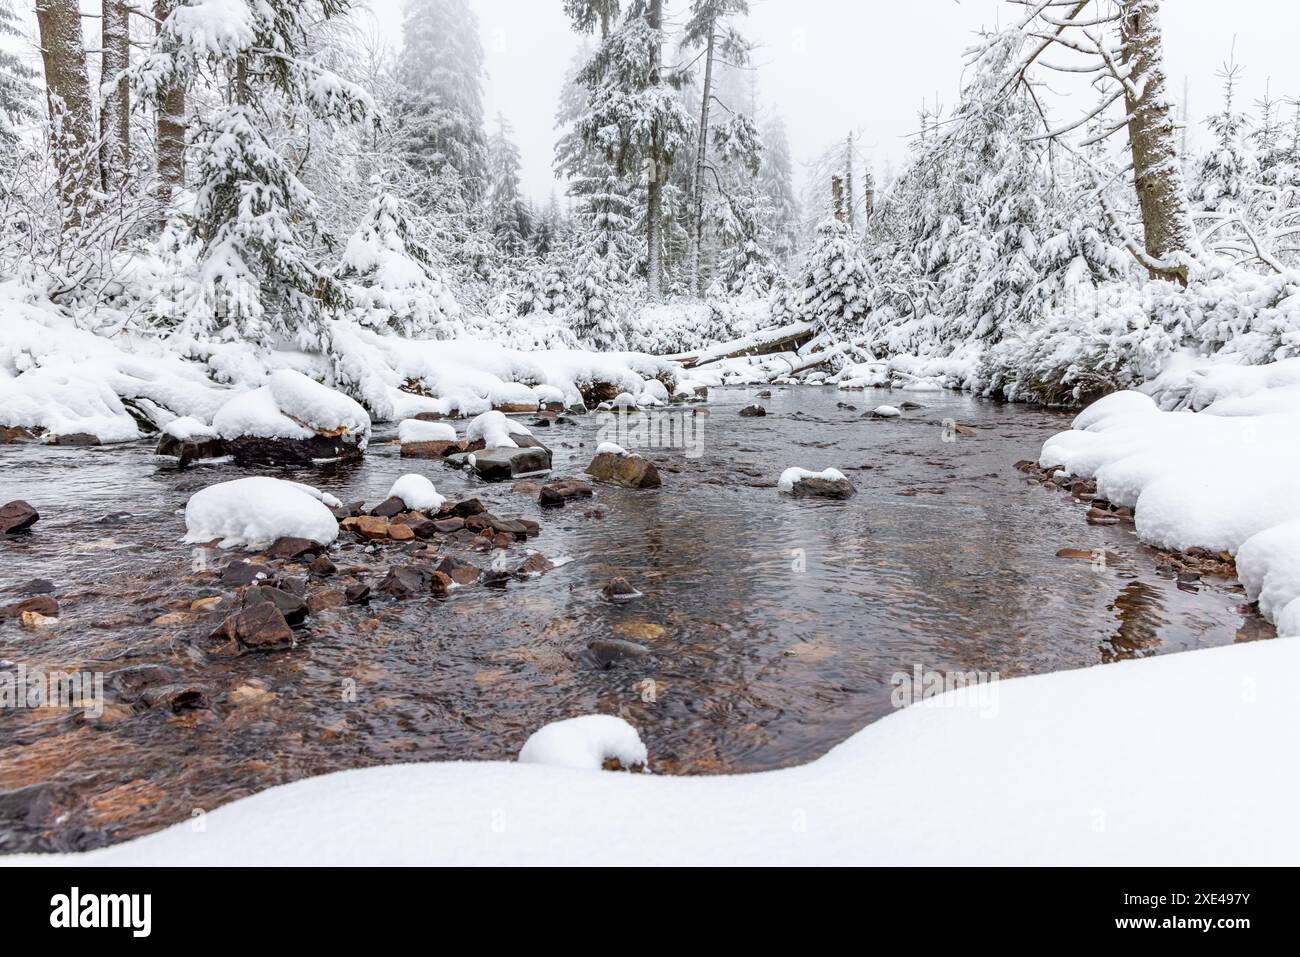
[[829, 66]]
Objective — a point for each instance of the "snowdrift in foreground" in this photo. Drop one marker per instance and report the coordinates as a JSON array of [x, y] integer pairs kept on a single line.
[[1223, 478], [253, 512], [1037, 780]]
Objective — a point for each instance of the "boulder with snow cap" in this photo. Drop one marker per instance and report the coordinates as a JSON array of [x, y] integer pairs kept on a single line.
[[828, 483], [292, 420], [187, 440]]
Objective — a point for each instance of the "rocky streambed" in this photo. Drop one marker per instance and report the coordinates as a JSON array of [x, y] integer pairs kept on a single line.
[[750, 629]]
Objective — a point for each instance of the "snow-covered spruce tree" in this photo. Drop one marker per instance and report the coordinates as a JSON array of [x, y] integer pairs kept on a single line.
[[599, 277], [1225, 173], [258, 279], [389, 277], [833, 285], [440, 105], [746, 269], [776, 175], [509, 216], [17, 91], [632, 116]]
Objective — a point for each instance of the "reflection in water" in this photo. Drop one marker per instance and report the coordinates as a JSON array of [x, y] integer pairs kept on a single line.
[[774, 626], [1140, 612]]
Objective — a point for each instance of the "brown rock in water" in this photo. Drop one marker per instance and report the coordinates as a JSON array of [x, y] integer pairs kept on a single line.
[[513, 527], [462, 573], [466, 508], [557, 493], [440, 583], [291, 548], [515, 408], [497, 465], [322, 567], [367, 526], [41, 604], [389, 508], [405, 581], [252, 451], [434, 449], [447, 526], [357, 594], [260, 626], [631, 471], [16, 435], [239, 573], [349, 510], [186, 451], [424, 530], [823, 488], [32, 620], [752, 411], [609, 651], [325, 598], [619, 589], [37, 586], [401, 533], [534, 564], [175, 697], [17, 516], [291, 606], [80, 439]]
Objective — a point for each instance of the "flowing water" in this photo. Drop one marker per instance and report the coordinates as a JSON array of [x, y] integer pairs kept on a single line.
[[775, 626]]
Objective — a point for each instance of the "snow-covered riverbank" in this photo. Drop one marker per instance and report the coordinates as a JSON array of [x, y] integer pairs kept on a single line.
[[1171, 761]]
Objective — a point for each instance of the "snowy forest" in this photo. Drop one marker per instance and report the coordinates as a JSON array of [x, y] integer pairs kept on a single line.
[[343, 473], [219, 172]]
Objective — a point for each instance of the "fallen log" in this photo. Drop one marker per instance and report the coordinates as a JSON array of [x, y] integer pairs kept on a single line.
[[780, 339]]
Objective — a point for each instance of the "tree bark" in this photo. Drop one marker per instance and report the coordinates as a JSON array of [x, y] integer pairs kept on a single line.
[[848, 182], [169, 125], [654, 184], [115, 115], [1157, 172], [837, 198], [73, 137], [701, 155]]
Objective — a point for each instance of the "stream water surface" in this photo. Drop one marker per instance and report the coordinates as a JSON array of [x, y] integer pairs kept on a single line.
[[775, 626]]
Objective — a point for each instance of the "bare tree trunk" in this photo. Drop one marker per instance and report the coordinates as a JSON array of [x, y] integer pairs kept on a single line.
[[115, 115], [837, 198], [654, 185], [169, 123], [68, 92], [701, 154], [1157, 172]]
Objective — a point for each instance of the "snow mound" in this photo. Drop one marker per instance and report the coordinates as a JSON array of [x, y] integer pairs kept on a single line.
[[417, 492], [886, 411], [613, 448], [292, 406], [417, 430], [253, 512], [187, 428], [1222, 478], [584, 743], [791, 475], [495, 430]]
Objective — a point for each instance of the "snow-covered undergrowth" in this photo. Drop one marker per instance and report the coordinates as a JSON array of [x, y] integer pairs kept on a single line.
[[1222, 478], [253, 512], [1030, 781], [61, 379]]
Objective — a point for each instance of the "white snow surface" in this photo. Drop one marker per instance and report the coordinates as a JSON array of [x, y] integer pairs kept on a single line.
[[253, 512], [584, 743], [417, 492], [417, 430], [1030, 782], [791, 475], [888, 411], [613, 448]]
